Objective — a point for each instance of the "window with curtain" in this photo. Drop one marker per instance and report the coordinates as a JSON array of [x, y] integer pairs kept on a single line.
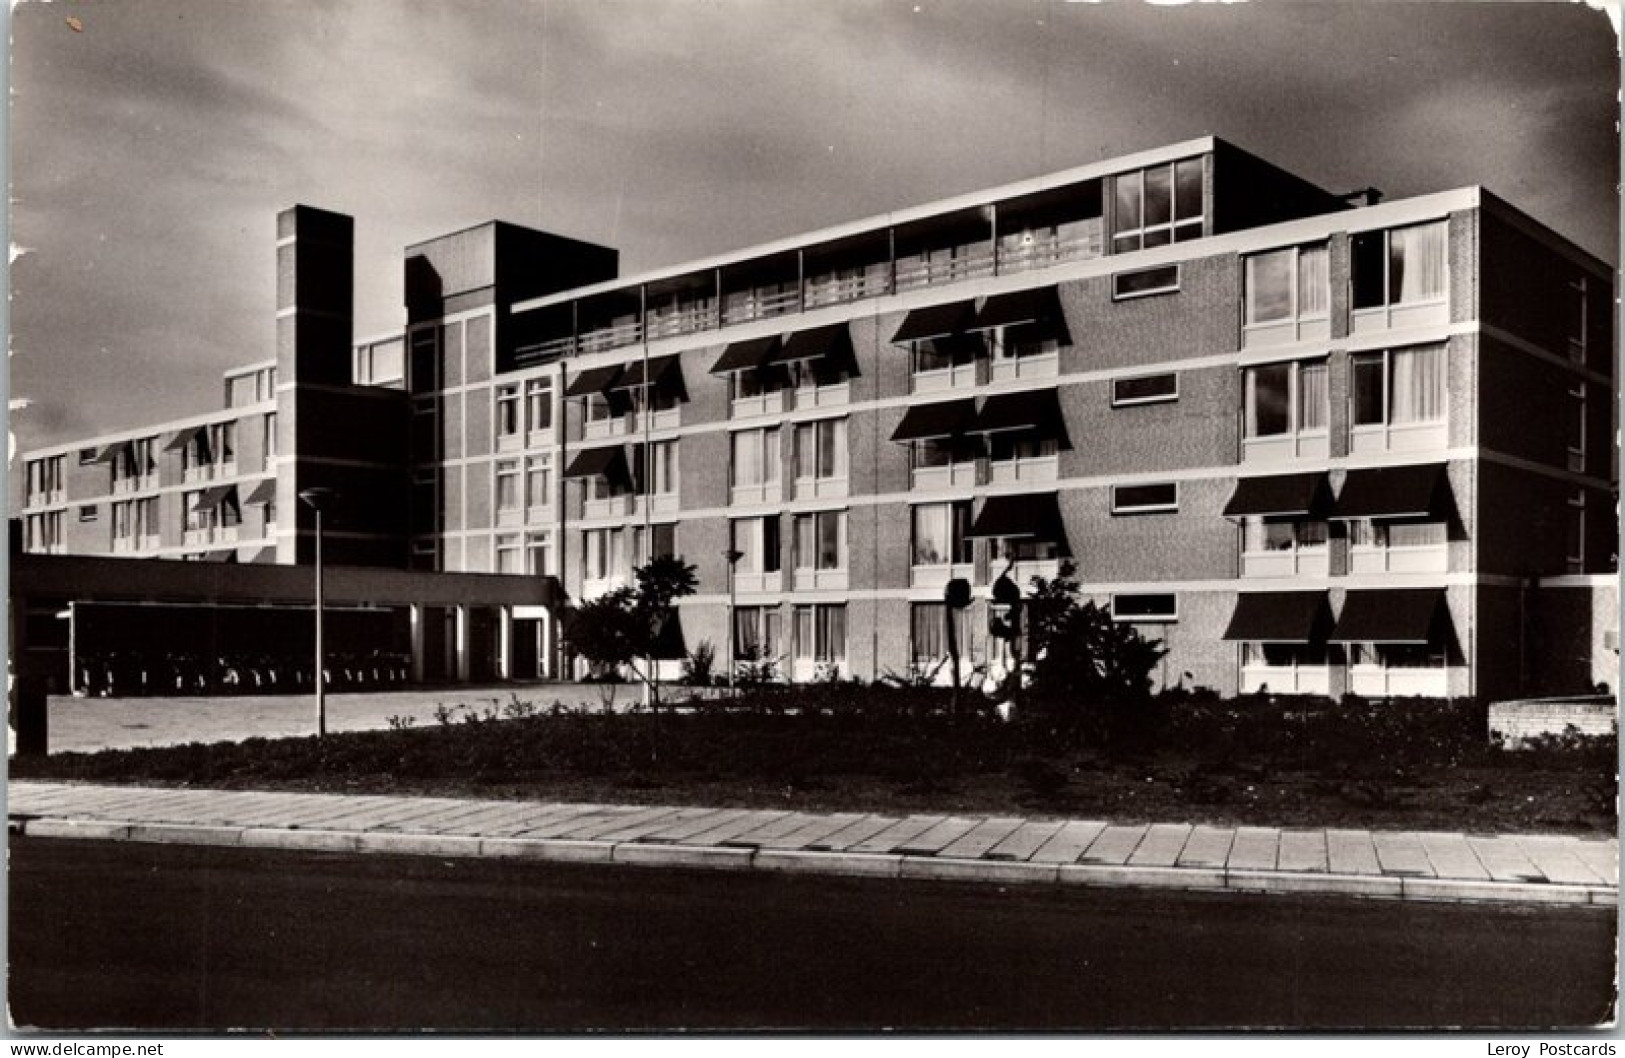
[[821, 540], [928, 632], [1266, 399], [1313, 404], [1314, 281], [939, 533], [1279, 534], [821, 449], [538, 553], [508, 485], [1418, 390], [821, 632], [756, 457], [507, 411], [757, 632], [1401, 266]]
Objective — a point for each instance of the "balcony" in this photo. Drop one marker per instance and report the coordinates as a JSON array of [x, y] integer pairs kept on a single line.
[[1375, 681], [1026, 470], [1382, 438], [950, 476], [873, 282], [657, 503], [1287, 332], [202, 472], [1286, 447], [1426, 558], [820, 488], [820, 580], [1434, 312], [1026, 253], [937, 576], [224, 534], [765, 492], [966, 261], [759, 582], [832, 396], [1043, 365], [1286, 679], [685, 319], [613, 336], [938, 380], [774, 402], [760, 304], [613, 426], [1287, 562], [608, 506]]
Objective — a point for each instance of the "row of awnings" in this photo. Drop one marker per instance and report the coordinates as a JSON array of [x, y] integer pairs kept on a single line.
[[1421, 491], [833, 341], [264, 491], [1036, 305], [658, 372], [1401, 615], [1038, 409]]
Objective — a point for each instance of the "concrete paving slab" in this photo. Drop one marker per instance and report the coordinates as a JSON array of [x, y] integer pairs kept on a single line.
[[859, 831], [239, 809], [1401, 854], [888, 840], [936, 838], [682, 827], [1351, 852], [1452, 857], [1115, 845], [126, 801], [751, 839], [1600, 856], [982, 837], [1505, 861], [1024, 841], [1207, 847], [157, 806], [639, 823], [546, 819], [1070, 842], [420, 822], [1303, 850], [1558, 863], [808, 833], [1255, 849], [745, 823], [1161, 845], [601, 820], [480, 822]]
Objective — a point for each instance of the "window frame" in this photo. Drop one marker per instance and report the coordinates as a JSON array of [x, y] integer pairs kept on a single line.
[[1120, 508], [1120, 294], [1169, 616], [1118, 401]]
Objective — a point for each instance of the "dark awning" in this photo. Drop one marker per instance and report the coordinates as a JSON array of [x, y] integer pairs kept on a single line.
[[1034, 409], [663, 370], [1283, 494], [1394, 492], [741, 356], [813, 344], [1016, 307], [1408, 615], [942, 419], [593, 380], [609, 461], [1280, 617], [935, 321], [263, 492], [214, 496], [108, 453], [1031, 515], [181, 438]]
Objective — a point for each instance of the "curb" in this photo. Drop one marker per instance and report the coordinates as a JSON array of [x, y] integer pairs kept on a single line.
[[800, 861]]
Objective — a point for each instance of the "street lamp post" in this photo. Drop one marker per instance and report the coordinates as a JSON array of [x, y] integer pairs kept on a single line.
[[732, 556], [316, 499]]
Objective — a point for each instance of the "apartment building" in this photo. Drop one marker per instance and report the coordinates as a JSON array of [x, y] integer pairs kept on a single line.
[[1314, 446]]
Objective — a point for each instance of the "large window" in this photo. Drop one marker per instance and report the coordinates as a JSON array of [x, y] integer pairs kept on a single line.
[[1287, 296], [757, 541], [755, 465], [45, 478], [758, 633], [538, 407], [928, 634], [509, 557], [948, 362], [1285, 408], [509, 421], [1157, 205], [820, 546], [538, 553], [1400, 277], [662, 470], [603, 554], [821, 633], [44, 532], [1284, 547], [507, 486], [940, 530], [1398, 398], [820, 455], [1151, 608], [538, 482]]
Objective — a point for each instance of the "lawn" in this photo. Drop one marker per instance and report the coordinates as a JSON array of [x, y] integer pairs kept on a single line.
[[1279, 762]]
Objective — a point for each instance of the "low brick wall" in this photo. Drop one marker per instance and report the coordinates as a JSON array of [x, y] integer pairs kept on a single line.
[[1514, 722]]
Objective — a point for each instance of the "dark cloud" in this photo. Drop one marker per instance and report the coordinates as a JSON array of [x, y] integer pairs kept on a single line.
[[153, 149]]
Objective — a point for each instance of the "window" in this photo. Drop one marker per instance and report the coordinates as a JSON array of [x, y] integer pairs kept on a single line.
[[539, 482], [950, 359], [1576, 557], [821, 633], [1285, 402], [602, 554], [1015, 445], [43, 532], [1577, 429], [425, 500], [821, 540], [195, 519], [756, 383], [507, 486], [87, 457], [1137, 499], [87, 513], [538, 553], [268, 435], [425, 357], [508, 555], [939, 462], [1399, 267], [1158, 607], [757, 541], [1399, 386], [1366, 532], [134, 464], [758, 633], [940, 530], [381, 364], [508, 420], [1147, 389], [1001, 552], [755, 465], [1397, 655], [928, 633], [1287, 295], [1284, 547], [425, 430], [1157, 206], [654, 541], [45, 479], [538, 405], [224, 439], [663, 468], [1146, 281], [821, 451], [425, 553]]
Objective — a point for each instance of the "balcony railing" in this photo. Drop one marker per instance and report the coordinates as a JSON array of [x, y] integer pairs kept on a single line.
[[1026, 469], [1044, 252], [614, 336], [1374, 681], [972, 261], [760, 305], [874, 282], [1420, 558], [1286, 679], [698, 316], [1287, 562]]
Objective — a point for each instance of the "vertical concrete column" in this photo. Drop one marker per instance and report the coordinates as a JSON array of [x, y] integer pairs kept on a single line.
[[460, 642], [547, 649], [415, 617], [505, 642]]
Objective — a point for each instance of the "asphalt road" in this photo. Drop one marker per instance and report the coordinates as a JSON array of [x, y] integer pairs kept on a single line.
[[175, 937]]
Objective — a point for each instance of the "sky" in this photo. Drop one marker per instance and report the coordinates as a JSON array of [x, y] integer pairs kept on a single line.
[[154, 141]]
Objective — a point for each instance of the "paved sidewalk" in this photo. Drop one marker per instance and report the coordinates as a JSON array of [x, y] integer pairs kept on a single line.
[[1003, 849]]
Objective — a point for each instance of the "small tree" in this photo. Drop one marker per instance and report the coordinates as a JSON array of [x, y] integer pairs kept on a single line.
[[1089, 671], [625, 628]]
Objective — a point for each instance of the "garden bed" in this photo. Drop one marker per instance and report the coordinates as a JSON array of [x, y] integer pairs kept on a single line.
[[1265, 762]]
